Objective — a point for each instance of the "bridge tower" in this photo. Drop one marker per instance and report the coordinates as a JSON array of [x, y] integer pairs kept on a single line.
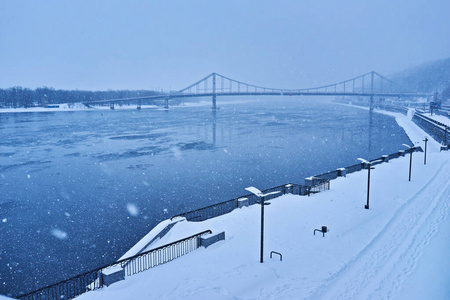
[[166, 103], [214, 94], [371, 90]]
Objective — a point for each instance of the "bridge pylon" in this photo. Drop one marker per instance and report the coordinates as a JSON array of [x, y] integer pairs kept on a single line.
[[214, 94], [371, 90], [166, 103]]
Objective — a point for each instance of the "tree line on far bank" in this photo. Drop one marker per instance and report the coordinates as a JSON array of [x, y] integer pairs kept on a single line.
[[25, 97]]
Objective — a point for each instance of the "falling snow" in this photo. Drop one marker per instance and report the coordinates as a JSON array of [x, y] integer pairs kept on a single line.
[[133, 210], [59, 234]]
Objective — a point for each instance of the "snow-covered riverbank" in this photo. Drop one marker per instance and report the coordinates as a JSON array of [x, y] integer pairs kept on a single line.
[[68, 107], [387, 252]]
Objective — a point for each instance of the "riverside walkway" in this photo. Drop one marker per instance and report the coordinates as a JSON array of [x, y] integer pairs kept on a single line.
[[370, 254]]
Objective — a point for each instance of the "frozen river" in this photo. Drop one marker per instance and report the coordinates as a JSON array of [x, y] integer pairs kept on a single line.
[[79, 188]]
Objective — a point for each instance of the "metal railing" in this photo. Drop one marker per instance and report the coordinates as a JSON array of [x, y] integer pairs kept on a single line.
[[354, 168], [358, 167], [322, 186], [225, 207], [67, 289], [439, 131], [94, 279], [210, 211], [161, 255]]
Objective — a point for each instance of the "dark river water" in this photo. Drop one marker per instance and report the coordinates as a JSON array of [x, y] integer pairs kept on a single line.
[[78, 189]]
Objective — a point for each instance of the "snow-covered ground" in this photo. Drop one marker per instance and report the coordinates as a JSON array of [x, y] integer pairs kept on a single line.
[[395, 250], [443, 119]]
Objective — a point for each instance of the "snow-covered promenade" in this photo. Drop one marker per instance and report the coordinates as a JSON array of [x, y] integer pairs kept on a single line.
[[394, 250]]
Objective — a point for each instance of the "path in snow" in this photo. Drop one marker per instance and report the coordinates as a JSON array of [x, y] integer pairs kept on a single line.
[[378, 271]]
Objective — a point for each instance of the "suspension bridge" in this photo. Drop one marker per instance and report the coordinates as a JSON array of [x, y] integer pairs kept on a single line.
[[370, 84]]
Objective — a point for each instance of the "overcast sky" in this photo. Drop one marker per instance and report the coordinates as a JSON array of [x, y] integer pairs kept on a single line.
[[98, 45]]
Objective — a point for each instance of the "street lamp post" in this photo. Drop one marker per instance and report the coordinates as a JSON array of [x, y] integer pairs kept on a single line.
[[258, 193], [410, 159], [425, 154], [369, 166]]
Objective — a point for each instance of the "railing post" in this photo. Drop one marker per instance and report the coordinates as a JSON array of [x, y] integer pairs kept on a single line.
[[100, 279]]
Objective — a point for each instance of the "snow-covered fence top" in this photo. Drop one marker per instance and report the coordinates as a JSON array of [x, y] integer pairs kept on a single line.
[[358, 167]]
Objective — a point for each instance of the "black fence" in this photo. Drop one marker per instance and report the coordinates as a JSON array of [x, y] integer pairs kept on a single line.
[[211, 211], [354, 168], [225, 207], [322, 186], [67, 289], [437, 130], [318, 183], [358, 167], [161, 255], [97, 278]]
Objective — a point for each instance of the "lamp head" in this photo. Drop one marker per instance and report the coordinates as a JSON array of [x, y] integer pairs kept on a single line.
[[363, 160], [254, 191]]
